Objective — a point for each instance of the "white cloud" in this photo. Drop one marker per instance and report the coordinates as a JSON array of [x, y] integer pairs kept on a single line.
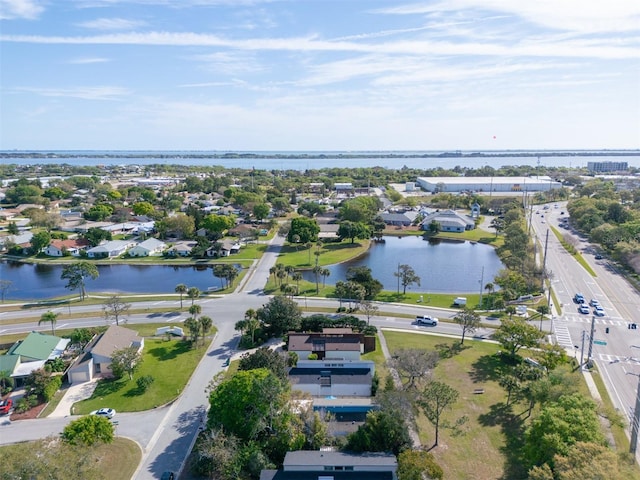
[[12, 9], [564, 15], [89, 60], [84, 93], [112, 24], [609, 48]]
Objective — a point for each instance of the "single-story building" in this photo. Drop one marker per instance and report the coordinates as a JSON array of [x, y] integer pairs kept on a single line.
[[331, 343], [449, 221], [150, 247], [181, 249], [96, 358], [58, 248], [488, 184], [114, 248], [399, 219], [32, 353]]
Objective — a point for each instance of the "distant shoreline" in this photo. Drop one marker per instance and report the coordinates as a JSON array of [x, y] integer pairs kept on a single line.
[[163, 154]]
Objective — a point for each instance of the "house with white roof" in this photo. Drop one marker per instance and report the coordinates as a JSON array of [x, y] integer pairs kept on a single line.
[[449, 221], [110, 249], [150, 247]]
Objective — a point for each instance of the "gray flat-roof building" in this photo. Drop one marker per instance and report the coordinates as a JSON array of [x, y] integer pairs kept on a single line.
[[487, 184]]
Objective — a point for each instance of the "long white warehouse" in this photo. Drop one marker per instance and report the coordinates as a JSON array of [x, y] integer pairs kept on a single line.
[[487, 184]]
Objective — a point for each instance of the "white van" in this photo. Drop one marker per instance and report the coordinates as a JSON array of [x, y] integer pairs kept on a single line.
[[460, 301]]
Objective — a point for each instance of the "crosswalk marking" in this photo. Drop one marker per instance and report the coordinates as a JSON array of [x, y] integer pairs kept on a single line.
[[605, 357], [563, 337]]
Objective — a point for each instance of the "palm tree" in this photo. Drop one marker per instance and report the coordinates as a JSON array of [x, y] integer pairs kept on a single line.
[[193, 293], [325, 272], [316, 271], [205, 325], [49, 317], [296, 277], [489, 288], [194, 329], [195, 310], [289, 269], [181, 288], [6, 381]]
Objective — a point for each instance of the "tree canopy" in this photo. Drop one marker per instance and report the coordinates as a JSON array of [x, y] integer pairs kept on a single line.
[[280, 315]]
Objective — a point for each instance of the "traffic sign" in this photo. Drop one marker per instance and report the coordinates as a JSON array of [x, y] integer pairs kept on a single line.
[[599, 342]]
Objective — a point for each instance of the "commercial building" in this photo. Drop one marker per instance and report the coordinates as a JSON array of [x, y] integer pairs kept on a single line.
[[487, 184], [604, 167]]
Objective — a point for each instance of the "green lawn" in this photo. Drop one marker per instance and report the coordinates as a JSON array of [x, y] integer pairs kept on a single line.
[[171, 363], [492, 430]]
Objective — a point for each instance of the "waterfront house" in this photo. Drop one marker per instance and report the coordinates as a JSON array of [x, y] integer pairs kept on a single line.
[[73, 247], [449, 221], [110, 249], [181, 249], [150, 247]]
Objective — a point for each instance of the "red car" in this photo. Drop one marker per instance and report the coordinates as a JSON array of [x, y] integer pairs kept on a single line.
[[5, 406]]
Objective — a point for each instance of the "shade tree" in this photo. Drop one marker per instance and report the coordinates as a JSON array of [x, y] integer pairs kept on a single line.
[[76, 273]]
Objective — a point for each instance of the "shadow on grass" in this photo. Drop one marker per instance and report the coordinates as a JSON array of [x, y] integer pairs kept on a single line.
[[489, 367], [170, 351], [512, 425], [450, 350], [108, 386]]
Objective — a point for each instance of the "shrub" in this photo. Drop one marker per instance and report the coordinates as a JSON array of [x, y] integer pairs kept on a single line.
[[145, 382], [22, 405], [52, 387]]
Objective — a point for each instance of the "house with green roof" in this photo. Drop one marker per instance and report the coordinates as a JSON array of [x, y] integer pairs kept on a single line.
[[30, 354]]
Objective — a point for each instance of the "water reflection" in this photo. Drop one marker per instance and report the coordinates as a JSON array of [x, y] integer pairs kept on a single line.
[[444, 266]]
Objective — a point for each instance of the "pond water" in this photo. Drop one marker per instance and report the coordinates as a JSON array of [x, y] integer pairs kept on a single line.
[[443, 266], [37, 281]]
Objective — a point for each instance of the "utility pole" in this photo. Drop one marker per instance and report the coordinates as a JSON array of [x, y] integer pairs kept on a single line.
[[582, 349], [544, 259], [481, 285], [398, 279], [593, 331]]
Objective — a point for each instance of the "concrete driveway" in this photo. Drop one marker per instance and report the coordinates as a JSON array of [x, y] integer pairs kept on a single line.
[[74, 394]]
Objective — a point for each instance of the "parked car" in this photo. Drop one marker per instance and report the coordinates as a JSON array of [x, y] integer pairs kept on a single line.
[[594, 303], [6, 406], [584, 309], [426, 320], [104, 412], [599, 311], [578, 298]]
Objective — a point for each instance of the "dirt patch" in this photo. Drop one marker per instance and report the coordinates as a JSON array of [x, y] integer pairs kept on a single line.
[[29, 414]]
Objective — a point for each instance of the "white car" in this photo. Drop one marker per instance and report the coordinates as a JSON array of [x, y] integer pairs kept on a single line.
[[104, 412], [426, 320], [599, 311]]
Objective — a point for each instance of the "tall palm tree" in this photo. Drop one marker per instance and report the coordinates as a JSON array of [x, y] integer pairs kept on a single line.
[[50, 317], [194, 329], [205, 325], [325, 272], [316, 271], [193, 293], [296, 277], [181, 288]]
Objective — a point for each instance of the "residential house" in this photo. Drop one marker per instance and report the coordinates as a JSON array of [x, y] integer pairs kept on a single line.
[[96, 359], [150, 247], [331, 343], [449, 221], [114, 248], [32, 353], [228, 247], [181, 249], [73, 247], [23, 240], [403, 219], [330, 465]]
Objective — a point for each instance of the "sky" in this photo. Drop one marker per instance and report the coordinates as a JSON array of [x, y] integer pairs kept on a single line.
[[327, 75]]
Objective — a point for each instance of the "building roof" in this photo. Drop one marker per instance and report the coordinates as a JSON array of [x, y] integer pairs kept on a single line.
[[8, 363], [111, 246], [323, 458], [305, 341], [338, 375], [69, 243], [39, 346], [115, 338], [487, 180], [448, 217], [152, 244]]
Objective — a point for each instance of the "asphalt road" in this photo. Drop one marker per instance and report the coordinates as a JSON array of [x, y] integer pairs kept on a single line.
[[618, 359]]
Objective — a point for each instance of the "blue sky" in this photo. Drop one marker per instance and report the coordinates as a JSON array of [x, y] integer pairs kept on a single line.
[[319, 74]]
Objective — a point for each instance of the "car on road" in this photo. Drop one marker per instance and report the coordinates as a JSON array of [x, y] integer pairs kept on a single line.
[[426, 320], [594, 303], [584, 309], [578, 298], [5, 406], [168, 476], [226, 362], [599, 311], [104, 412], [598, 256]]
